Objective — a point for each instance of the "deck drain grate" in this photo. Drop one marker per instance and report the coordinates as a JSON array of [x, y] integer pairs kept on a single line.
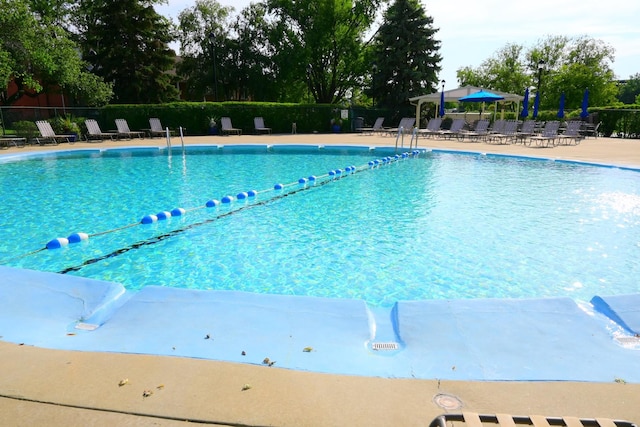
[[384, 345]]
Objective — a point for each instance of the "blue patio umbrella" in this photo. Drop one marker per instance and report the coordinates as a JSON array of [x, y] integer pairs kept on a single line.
[[561, 108], [536, 105], [525, 104], [585, 105], [441, 106], [481, 96]]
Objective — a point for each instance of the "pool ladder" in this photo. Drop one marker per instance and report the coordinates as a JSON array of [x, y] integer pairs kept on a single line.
[[400, 137]]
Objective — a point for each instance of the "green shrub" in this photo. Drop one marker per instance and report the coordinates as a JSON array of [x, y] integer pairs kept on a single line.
[[26, 129]]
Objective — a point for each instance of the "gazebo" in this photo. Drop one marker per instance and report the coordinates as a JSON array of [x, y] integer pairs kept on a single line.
[[454, 95]]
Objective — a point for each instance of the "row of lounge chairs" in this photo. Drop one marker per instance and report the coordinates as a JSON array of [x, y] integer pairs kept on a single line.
[[529, 132], [95, 133]]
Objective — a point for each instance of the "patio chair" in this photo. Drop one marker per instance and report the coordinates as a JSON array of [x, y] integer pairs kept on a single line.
[[258, 123], [433, 127], [573, 133], [508, 133], [227, 127], [472, 419], [47, 135], [7, 141], [406, 125], [526, 131], [457, 126], [123, 130], [548, 136], [95, 133], [480, 131], [377, 126]]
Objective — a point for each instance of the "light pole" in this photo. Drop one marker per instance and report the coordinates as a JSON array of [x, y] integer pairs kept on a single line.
[[540, 68], [212, 39]]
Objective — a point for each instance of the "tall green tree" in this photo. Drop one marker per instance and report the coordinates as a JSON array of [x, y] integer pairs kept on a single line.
[[406, 54], [203, 33], [322, 42], [38, 56], [127, 43], [569, 66], [505, 71]]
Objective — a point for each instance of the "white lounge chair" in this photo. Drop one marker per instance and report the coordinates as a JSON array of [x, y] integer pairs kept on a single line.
[[123, 130], [258, 123], [47, 134], [156, 128], [95, 133]]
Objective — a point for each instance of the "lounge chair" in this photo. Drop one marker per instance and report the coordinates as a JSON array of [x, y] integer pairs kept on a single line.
[[156, 128], [457, 126], [95, 133], [47, 135], [377, 126], [433, 127], [258, 123], [123, 130], [508, 133], [472, 419], [480, 131], [572, 133], [405, 125], [227, 127], [7, 141], [526, 131], [548, 136]]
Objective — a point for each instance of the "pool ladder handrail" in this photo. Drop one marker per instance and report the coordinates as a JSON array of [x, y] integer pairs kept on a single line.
[[169, 137]]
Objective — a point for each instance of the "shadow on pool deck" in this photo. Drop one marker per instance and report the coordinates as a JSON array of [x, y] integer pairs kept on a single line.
[[442, 345]]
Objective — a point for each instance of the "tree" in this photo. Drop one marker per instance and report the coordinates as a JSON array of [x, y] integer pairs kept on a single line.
[[570, 65], [505, 71], [322, 41], [406, 55], [127, 43], [204, 42], [630, 90], [39, 57]]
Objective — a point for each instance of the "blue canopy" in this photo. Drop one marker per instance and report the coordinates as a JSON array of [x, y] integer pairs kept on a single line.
[[585, 105], [481, 96], [525, 104], [441, 107]]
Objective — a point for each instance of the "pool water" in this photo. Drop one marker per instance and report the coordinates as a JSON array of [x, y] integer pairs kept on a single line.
[[440, 225]]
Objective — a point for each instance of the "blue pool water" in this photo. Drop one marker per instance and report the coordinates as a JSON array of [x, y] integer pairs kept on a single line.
[[441, 225]]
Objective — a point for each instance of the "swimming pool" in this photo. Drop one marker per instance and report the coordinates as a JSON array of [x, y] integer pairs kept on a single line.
[[439, 226]]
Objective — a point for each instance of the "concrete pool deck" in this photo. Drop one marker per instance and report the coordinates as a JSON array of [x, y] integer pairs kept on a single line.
[[63, 387]]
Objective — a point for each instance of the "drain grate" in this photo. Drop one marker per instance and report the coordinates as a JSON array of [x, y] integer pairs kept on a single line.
[[384, 345]]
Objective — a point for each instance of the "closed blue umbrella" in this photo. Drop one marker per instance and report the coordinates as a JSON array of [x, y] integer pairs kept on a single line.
[[525, 104], [561, 108], [441, 107], [585, 104], [536, 105]]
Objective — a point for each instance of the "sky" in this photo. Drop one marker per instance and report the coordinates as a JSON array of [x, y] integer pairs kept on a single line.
[[471, 31]]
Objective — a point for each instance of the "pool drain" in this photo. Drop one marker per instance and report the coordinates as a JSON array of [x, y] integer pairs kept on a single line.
[[388, 346], [447, 401]]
